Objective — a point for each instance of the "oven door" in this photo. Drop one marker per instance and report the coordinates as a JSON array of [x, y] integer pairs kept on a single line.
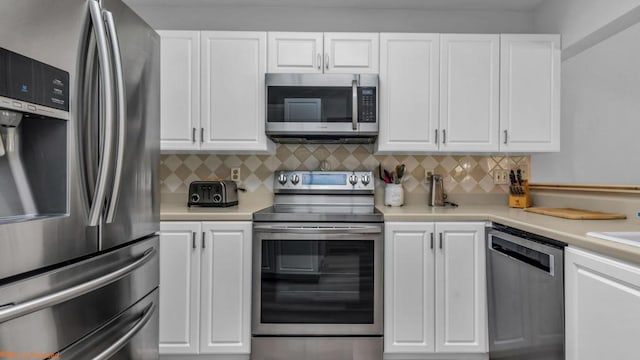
[[317, 279]]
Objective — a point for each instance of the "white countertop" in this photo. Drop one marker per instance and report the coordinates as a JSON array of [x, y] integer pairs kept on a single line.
[[173, 207], [572, 232]]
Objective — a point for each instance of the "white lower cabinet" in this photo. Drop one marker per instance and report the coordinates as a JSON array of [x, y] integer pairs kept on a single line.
[[435, 288], [205, 288], [602, 307]]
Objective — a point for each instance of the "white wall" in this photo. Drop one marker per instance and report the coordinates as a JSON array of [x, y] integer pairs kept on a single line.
[[575, 19], [600, 135], [600, 120], [332, 19]]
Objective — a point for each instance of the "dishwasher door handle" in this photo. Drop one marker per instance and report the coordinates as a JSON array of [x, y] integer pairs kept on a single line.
[[532, 257]]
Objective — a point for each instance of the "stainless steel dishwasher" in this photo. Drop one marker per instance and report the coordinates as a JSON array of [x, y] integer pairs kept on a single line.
[[525, 274]]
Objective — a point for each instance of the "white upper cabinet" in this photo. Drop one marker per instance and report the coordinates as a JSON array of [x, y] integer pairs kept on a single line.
[[179, 93], [300, 52], [469, 92], [530, 93], [295, 52], [213, 91], [351, 53], [409, 91], [602, 307], [234, 65]]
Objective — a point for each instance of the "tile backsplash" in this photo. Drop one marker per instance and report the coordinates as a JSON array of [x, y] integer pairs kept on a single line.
[[462, 173]]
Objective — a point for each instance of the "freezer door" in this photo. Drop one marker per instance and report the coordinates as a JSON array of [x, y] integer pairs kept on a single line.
[[50, 312], [49, 32], [133, 201], [131, 335]]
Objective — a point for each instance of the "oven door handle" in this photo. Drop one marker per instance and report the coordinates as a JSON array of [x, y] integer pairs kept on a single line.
[[360, 229]]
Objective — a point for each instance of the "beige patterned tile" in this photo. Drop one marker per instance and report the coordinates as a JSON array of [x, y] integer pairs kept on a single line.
[[192, 162], [448, 163], [213, 162], [463, 173]]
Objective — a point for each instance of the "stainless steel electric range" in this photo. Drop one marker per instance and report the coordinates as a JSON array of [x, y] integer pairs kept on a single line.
[[317, 273]]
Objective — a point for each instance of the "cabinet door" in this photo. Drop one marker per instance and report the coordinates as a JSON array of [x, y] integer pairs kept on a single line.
[[461, 310], [351, 53], [409, 90], [179, 285], [179, 90], [602, 307], [469, 92], [233, 91], [408, 288], [530, 93], [295, 52], [225, 326]]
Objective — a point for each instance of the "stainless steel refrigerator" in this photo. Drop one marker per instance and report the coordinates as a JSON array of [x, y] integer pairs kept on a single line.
[[79, 183]]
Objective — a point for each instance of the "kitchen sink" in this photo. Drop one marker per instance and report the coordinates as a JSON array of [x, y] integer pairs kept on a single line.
[[631, 238]]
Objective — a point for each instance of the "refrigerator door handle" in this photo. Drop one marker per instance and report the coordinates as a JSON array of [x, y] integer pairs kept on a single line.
[[121, 114], [17, 310], [110, 328], [122, 341], [106, 72]]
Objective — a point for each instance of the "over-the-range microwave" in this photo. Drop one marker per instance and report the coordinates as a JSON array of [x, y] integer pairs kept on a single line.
[[322, 108]]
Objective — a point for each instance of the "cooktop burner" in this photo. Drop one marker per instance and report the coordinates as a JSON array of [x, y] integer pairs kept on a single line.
[[322, 196], [317, 214]]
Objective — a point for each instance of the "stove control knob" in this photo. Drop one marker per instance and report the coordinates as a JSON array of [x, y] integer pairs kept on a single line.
[[282, 178], [295, 179], [353, 179], [366, 179]]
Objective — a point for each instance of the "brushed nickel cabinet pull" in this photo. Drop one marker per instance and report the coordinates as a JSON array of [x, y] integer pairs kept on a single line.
[[440, 240], [506, 136], [204, 244], [431, 240]]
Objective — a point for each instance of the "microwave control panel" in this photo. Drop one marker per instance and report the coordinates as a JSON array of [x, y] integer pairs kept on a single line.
[[367, 104]]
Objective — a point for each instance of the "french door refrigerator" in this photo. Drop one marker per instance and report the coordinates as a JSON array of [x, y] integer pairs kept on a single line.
[[79, 183]]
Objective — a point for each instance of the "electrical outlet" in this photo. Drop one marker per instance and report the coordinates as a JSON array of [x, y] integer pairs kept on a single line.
[[500, 177], [523, 173], [235, 174], [427, 174]]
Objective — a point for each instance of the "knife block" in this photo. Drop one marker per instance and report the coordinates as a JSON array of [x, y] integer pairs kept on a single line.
[[519, 195]]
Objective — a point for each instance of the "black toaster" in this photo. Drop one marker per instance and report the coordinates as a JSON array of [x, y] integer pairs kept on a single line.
[[218, 193]]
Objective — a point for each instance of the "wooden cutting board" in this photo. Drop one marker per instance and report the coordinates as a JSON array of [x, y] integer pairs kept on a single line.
[[575, 214]]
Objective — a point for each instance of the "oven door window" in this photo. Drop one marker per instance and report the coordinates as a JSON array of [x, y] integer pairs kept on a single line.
[[317, 282]]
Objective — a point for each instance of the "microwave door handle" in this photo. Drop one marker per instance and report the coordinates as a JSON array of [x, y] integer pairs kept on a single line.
[[121, 113], [354, 106], [108, 101]]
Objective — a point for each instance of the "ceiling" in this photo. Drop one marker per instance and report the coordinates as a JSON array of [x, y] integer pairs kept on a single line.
[[442, 5]]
